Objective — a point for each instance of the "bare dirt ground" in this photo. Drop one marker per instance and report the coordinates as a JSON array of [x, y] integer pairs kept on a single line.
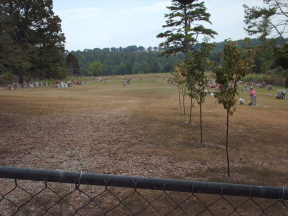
[[138, 131], [92, 142], [110, 134]]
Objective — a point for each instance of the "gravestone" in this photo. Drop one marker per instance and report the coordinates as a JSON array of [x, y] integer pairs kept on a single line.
[[36, 84], [46, 84], [40, 84], [253, 98], [31, 85]]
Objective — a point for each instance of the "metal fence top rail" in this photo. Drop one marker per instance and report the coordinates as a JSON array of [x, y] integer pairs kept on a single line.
[[79, 178]]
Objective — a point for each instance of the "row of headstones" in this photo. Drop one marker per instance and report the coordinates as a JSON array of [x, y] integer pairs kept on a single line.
[[103, 80], [37, 84], [63, 85], [68, 84], [247, 87], [26, 85], [259, 84]]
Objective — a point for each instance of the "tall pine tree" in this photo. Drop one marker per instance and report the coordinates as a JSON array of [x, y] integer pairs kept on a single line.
[[184, 27]]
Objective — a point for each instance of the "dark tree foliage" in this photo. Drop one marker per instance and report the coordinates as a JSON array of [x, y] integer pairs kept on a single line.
[[124, 60], [185, 2], [11, 56], [127, 60], [72, 64], [34, 39]]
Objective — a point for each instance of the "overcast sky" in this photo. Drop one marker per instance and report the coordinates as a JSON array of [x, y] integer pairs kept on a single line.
[[89, 24]]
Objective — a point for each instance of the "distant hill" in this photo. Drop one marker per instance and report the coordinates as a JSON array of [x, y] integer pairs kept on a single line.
[[137, 59]]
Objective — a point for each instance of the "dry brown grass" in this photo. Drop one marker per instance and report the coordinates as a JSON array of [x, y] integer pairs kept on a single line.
[[138, 130]]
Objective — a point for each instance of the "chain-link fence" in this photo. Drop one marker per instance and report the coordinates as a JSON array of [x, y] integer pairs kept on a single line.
[[74, 193]]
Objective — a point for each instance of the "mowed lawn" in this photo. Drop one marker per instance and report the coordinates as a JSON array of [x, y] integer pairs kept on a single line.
[[139, 130]]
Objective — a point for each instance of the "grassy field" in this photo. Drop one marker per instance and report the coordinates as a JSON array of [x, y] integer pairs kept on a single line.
[[139, 130]]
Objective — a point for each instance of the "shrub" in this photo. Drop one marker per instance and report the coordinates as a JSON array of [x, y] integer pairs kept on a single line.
[[268, 79]]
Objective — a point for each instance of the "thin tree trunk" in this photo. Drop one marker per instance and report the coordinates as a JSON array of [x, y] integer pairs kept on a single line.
[[191, 105], [179, 97], [227, 154], [183, 94], [201, 133]]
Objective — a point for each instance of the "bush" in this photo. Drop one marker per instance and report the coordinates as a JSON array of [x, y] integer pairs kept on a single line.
[[8, 78], [268, 79]]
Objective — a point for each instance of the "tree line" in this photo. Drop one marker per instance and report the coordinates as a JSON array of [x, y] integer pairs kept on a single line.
[[32, 42], [120, 61], [137, 60]]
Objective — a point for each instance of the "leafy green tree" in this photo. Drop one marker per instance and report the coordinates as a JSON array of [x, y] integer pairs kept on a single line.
[[184, 75], [184, 26], [196, 78], [11, 57], [282, 61], [72, 64], [36, 35], [180, 81], [237, 63], [141, 48], [191, 85], [95, 68], [268, 21], [265, 54]]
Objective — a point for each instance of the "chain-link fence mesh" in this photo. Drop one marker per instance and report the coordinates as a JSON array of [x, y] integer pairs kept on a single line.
[[97, 194]]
